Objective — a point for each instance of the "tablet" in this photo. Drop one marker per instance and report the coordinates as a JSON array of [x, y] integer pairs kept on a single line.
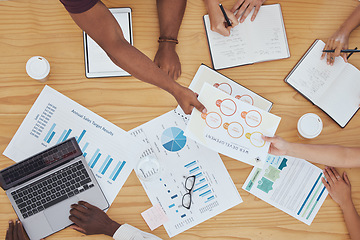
[[97, 62]]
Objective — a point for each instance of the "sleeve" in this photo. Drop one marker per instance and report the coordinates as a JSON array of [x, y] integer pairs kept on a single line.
[[78, 6], [128, 232]]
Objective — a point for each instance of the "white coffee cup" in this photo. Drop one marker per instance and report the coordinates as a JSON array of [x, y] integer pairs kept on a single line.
[[309, 125], [38, 68]]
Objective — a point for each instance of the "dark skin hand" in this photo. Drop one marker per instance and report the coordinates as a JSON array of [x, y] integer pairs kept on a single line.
[[170, 13], [16, 231], [91, 220]]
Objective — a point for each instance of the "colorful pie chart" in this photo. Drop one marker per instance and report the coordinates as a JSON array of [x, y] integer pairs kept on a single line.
[[173, 139]]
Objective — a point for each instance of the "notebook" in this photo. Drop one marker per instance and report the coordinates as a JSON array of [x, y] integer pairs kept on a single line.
[[97, 62], [264, 39], [334, 89], [42, 187]]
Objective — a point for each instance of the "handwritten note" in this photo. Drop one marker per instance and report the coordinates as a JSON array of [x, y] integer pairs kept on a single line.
[[154, 217], [263, 39]]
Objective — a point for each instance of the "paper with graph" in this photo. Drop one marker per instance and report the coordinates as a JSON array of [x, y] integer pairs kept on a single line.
[[290, 184]]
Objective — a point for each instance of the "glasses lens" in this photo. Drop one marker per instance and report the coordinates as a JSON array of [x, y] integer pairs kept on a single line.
[[189, 183], [186, 200]]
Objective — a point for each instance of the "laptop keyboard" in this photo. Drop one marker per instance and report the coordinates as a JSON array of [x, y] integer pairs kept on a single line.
[[52, 189]]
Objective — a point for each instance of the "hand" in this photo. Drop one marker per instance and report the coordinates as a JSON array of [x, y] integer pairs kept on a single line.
[[278, 146], [16, 231], [168, 60], [217, 19], [338, 187], [338, 41], [245, 7], [187, 100], [90, 220]]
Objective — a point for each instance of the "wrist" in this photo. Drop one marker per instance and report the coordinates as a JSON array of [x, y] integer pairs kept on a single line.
[[347, 205], [165, 45], [112, 228]]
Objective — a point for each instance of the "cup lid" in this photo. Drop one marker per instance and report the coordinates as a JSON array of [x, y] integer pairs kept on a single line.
[[310, 125], [37, 67]]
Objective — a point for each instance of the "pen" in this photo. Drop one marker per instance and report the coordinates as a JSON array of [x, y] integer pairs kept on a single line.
[[344, 51], [351, 54], [225, 16]]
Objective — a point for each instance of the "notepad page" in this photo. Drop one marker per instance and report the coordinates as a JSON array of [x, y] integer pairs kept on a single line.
[[268, 34], [99, 61], [342, 99], [312, 77], [230, 51]]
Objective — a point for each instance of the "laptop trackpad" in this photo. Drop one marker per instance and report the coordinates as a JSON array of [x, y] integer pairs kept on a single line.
[[58, 215]]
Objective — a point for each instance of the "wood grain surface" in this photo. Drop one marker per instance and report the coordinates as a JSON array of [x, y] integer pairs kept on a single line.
[[43, 27]]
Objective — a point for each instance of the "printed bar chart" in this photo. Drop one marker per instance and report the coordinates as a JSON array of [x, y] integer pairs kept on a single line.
[[105, 165], [50, 134], [117, 170]]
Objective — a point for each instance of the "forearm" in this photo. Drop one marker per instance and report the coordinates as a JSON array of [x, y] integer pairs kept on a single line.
[[352, 220], [331, 155], [211, 5], [170, 13], [352, 22]]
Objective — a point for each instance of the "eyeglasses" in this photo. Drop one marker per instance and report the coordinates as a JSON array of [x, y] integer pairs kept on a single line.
[[189, 185]]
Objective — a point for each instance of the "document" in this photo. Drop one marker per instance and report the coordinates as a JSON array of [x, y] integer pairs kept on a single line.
[[334, 89], [263, 39], [232, 127], [290, 184], [110, 151], [216, 79], [180, 157]]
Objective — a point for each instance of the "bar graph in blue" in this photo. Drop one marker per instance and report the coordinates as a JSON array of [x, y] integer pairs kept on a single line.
[[95, 158], [104, 167], [117, 170], [49, 136]]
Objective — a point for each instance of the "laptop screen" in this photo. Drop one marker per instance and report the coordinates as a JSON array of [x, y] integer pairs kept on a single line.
[[39, 163]]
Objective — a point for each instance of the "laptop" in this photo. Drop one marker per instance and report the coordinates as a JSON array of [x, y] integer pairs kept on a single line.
[[41, 188]]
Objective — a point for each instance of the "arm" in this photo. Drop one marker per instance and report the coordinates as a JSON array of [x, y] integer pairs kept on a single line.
[[217, 19], [91, 220], [340, 190], [330, 155], [101, 26], [340, 39], [170, 13]]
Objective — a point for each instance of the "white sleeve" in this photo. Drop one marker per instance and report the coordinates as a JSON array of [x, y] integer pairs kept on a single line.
[[128, 232]]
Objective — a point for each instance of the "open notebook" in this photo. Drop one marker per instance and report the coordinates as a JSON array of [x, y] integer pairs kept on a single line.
[[264, 39], [334, 89]]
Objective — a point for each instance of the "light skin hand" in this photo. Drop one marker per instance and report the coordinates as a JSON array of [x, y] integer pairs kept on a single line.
[[217, 19], [91, 220], [246, 6], [338, 187], [15, 231], [278, 146], [338, 41]]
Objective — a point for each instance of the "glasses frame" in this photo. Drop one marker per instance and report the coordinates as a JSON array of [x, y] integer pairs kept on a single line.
[[188, 191]]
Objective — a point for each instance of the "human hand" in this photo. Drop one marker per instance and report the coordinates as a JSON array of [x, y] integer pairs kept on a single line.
[[278, 146], [338, 41], [217, 19], [187, 100], [244, 7], [90, 220], [338, 187], [16, 231], [168, 60]]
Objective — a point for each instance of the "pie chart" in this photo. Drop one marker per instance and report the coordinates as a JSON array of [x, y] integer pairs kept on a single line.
[[173, 139]]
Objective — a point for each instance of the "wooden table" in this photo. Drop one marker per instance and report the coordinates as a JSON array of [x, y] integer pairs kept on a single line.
[[42, 27]]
